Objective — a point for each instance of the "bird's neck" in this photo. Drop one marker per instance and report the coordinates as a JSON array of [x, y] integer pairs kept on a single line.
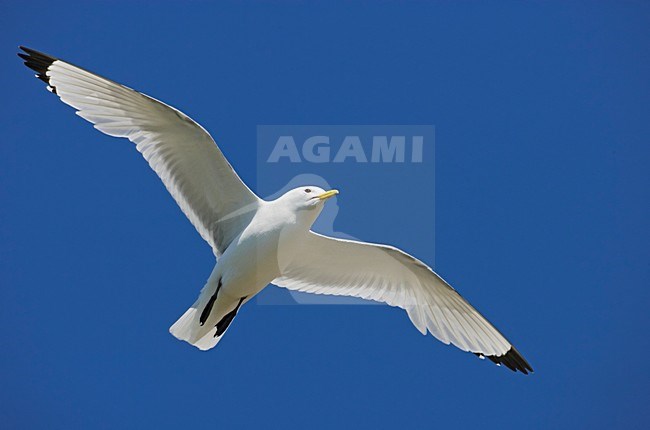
[[281, 216]]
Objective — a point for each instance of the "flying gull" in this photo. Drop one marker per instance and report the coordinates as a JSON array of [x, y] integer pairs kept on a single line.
[[257, 242]]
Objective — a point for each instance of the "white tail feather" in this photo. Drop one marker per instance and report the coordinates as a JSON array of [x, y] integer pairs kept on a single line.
[[189, 328]]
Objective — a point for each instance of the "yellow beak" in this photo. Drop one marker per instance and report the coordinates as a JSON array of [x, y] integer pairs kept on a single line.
[[327, 194]]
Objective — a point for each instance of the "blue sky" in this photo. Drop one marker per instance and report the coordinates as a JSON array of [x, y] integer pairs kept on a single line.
[[541, 215]]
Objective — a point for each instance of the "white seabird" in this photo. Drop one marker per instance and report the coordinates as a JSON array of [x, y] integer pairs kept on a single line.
[[257, 242]]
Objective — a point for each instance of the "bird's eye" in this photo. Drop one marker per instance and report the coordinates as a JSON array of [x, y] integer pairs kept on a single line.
[[308, 190]]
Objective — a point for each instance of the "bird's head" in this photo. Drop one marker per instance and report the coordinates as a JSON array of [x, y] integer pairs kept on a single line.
[[306, 202], [307, 198]]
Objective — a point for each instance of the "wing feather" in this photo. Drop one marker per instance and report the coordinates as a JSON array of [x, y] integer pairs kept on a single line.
[[179, 150], [325, 265]]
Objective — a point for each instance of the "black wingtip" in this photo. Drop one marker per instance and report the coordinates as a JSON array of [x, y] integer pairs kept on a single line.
[[512, 359], [38, 62]]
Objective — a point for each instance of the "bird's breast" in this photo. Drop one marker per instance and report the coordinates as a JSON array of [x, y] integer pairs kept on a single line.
[[259, 253]]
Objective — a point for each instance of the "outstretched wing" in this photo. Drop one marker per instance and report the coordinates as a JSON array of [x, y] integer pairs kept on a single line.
[[325, 265], [179, 150]]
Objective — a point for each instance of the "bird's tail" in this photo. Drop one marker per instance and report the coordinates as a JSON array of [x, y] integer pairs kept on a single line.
[[206, 321]]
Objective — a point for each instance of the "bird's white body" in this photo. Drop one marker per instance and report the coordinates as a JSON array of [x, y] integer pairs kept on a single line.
[[257, 242], [250, 263]]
